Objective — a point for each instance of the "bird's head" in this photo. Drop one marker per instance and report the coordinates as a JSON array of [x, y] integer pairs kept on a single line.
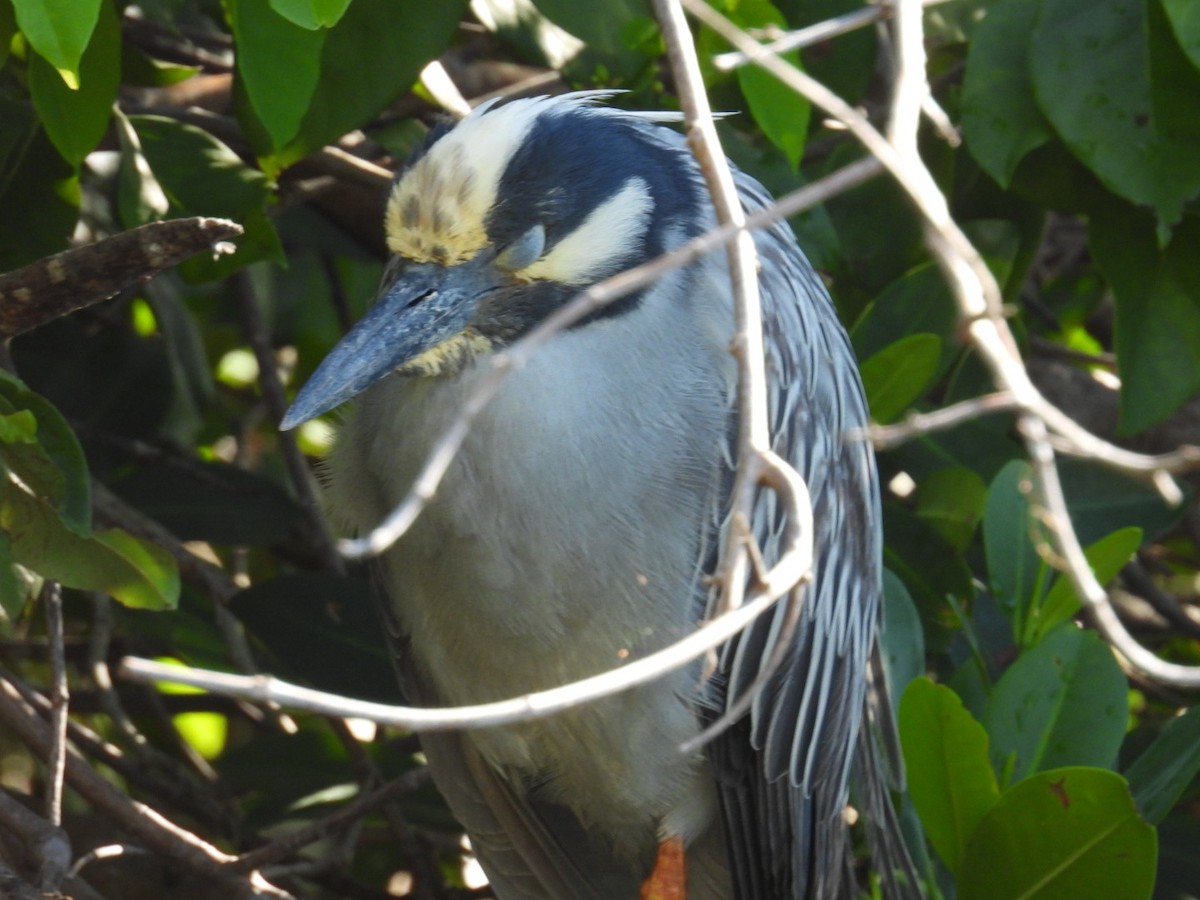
[[499, 219]]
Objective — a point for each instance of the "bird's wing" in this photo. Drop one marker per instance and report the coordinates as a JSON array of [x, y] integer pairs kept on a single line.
[[531, 849], [783, 769]]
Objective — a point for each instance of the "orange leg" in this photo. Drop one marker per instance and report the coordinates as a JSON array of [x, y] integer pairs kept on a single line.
[[668, 880]]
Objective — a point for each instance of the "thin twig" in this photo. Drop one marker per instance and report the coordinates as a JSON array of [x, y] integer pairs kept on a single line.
[[276, 401], [919, 424], [45, 841], [288, 844], [971, 282], [791, 566], [59, 698], [52, 287], [150, 828]]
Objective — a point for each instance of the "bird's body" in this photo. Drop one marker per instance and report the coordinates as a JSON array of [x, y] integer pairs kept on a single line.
[[577, 525]]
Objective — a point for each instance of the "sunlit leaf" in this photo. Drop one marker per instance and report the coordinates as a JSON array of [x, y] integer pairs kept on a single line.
[[1061, 703], [950, 777], [59, 30], [1067, 833]]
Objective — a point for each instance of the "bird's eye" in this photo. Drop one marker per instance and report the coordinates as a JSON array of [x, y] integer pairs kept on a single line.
[[524, 251]]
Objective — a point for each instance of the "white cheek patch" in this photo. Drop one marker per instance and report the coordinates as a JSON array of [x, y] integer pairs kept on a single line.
[[609, 232]]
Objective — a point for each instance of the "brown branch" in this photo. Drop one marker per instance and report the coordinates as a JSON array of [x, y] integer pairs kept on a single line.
[[322, 828], [59, 284], [59, 697], [43, 840], [150, 828]]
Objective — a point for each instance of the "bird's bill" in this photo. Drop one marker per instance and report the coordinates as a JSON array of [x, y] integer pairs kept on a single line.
[[425, 306]]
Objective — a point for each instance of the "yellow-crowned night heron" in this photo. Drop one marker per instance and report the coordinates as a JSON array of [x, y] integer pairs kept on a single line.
[[576, 527]]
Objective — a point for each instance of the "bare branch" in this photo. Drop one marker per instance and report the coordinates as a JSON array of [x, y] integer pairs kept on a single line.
[[59, 284], [150, 828], [59, 696], [917, 424], [791, 566], [44, 841]]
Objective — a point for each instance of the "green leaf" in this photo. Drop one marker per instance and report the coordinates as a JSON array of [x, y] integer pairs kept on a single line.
[[8, 30], [279, 62], [135, 573], [333, 640], [1165, 769], [202, 177], [901, 639], [1092, 81], [140, 69], [372, 57], [1012, 560], [52, 464], [1000, 121], [951, 501], [1185, 19], [140, 198], [12, 593], [780, 112], [59, 30], [1174, 78], [1061, 703], [950, 778], [32, 176], [1158, 314], [311, 14], [917, 302], [1107, 557], [897, 375], [194, 502], [76, 119], [602, 28], [1068, 833]]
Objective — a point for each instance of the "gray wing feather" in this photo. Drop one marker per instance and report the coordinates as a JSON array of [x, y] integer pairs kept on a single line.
[[784, 771]]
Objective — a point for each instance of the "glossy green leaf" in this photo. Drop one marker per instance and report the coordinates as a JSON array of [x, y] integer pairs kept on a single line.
[[1174, 78], [311, 14], [1107, 557], [76, 119], [603, 29], [137, 574], [1092, 82], [12, 593], [202, 176], [1061, 703], [59, 30], [1000, 120], [950, 777], [917, 302], [951, 501], [140, 69], [140, 198], [371, 57], [32, 176], [1167, 767], [1158, 316], [1184, 16], [8, 30], [279, 62], [901, 639], [1067, 833], [780, 112], [194, 502], [897, 375], [1102, 501], [1012, 560], [51, 463]]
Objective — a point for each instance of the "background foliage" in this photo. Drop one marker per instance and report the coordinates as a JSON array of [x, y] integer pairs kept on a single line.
[[141, 464]]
